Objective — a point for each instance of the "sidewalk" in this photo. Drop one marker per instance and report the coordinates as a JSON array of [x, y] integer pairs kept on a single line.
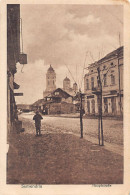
[[77, 115], [117, 149], [61, 158]]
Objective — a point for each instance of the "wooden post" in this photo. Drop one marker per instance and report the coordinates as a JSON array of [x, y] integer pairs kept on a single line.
[[101, 118], [81, 116], [100, 126], [98, 119]]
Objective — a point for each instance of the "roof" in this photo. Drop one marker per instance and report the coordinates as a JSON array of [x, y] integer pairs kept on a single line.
[[66, 79], [50, 69], [40, 101], [117, 52], [61, 90]]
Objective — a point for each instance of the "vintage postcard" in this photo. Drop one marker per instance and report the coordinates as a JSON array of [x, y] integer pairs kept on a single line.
[[65, 102]]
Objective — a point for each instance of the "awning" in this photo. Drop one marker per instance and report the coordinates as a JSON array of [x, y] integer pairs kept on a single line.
[[110, 95], [18, 94]]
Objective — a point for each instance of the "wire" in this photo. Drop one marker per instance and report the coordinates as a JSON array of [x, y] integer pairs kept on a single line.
[[83, 69], [70, 73], [114, 15], [91, 56]]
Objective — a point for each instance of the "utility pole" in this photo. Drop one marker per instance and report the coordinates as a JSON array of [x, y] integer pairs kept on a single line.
[[100, 122], [119, 84], [81, 115]]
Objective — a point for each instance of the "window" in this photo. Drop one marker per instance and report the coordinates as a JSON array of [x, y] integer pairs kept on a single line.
[[105, 80], [91, 70], [57, 93], [112, 79], [112, 64], [87, 84], [92, 82], [104, 67]]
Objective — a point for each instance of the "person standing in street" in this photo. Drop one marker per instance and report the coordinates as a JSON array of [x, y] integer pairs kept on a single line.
[[37, 117]]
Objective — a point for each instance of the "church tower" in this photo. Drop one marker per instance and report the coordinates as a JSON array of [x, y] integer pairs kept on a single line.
[[66, 84], [75, 87], [50, 81]]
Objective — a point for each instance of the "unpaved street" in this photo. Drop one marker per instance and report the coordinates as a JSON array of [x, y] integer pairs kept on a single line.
[[113, 129], [59, 156]]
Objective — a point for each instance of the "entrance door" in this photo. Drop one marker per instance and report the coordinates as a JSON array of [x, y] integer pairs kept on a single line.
[[105, 105], [113, 105], [88, 106]]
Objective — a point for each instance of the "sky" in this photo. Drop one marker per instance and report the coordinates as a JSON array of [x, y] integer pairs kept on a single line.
[[68, 37]]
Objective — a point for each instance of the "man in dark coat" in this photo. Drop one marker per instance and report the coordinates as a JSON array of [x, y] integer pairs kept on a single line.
[[37, 117]]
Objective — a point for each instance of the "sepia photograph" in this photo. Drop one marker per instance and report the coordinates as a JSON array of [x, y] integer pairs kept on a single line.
[[65, 94]]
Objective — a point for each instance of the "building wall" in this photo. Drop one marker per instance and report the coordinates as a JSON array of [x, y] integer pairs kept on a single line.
[[110, 89], [60, 108]]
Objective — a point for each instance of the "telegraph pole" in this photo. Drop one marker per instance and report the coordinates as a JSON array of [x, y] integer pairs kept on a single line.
[[81, 114], [119, 84], [100, 122]]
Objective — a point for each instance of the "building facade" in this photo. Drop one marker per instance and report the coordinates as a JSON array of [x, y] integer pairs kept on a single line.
[[57, 102], [50, 81], [111, 74], [14, 56]]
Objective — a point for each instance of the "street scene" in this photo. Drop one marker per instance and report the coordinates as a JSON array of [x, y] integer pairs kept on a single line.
[[65, 94], [60, 156]]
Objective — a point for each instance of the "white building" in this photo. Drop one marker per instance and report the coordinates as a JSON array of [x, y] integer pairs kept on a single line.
[[111, 72]]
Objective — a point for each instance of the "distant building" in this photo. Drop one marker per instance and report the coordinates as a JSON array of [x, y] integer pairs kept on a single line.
[[24, 107], [75, 87], [57, 102], [67, 87], [111, 71], [66, 84], [50, 81]]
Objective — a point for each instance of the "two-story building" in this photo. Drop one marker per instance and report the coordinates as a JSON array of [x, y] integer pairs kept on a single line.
[[14, 55], [111, 73]]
